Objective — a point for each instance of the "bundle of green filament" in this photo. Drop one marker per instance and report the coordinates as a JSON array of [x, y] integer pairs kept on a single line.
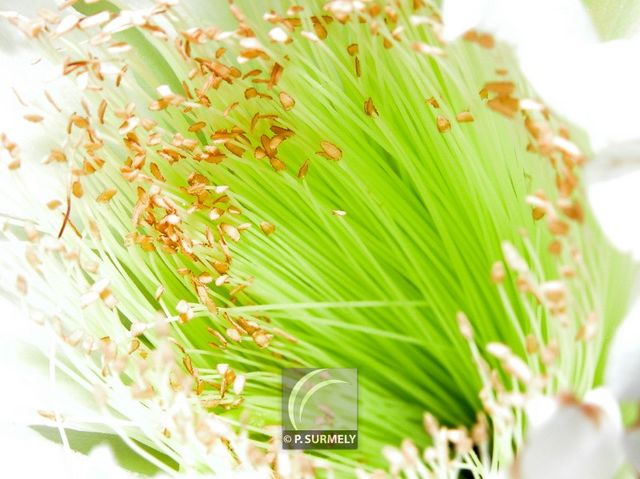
[[249, 186]]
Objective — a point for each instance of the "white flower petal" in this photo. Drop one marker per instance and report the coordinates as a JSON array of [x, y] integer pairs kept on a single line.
[[623, 365], [460, 16], [521, 22], [632, 447], [540, 410], [608, 404], [616, 160], [614, 203], [100, 463], [578, 440], [614, 177], [592, 84], [25, 453]]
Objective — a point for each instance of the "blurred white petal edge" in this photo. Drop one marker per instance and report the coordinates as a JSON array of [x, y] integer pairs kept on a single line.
[[577, 439], [623, 364]]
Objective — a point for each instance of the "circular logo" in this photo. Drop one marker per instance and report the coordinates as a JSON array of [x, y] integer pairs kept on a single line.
[[287, 438]]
